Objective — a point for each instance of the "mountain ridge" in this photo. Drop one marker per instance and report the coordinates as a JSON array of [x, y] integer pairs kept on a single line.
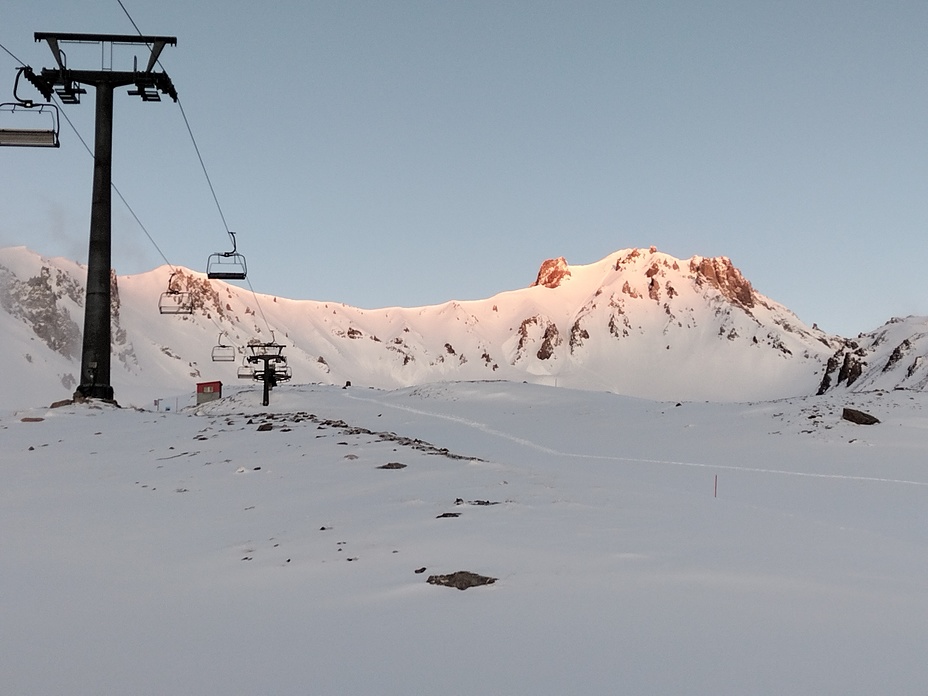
[[638, 322]]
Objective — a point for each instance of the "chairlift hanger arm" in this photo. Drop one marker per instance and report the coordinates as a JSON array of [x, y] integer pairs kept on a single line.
[[42, 85]]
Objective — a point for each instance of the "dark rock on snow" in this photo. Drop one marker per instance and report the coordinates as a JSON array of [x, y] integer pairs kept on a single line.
[[462, 579], [859, 417]]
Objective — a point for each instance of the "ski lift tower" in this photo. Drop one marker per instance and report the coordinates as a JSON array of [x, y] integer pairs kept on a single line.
[[274, 370], [66, 83]]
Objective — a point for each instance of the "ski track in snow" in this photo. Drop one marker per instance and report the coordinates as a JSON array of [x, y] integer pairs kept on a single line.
[[483, 427]]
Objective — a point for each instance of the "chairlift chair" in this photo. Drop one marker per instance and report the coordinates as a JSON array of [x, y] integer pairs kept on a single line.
[[246, 372], [175, 301], [222, 352], [227, 265], [43, 118], [24, 123]]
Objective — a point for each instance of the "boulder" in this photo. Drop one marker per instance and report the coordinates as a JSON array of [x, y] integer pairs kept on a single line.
[[859, 417]]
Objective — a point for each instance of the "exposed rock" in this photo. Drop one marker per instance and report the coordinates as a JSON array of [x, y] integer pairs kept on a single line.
[[392, 465], [202, 295], [859, 417], [528, 331], [577, 335], [462, 580], [551, 339], [720, 273], [897, 354], [36, 302], [850, 370], [654, 289], [264, 427], [552, 272]]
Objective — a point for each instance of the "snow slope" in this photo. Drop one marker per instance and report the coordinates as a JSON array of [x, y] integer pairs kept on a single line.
[[639, 322], [191, 553]]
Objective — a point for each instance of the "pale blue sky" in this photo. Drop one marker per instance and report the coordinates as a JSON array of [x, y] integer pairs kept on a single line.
[[409, 153]]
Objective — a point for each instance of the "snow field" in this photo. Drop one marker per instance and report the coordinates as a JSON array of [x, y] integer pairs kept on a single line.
[[188, 553]]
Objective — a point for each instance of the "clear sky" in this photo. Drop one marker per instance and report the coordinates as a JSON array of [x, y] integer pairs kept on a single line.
[[410, 153]]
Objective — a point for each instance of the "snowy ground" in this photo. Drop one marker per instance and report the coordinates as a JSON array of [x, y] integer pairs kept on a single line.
[[190, 553]]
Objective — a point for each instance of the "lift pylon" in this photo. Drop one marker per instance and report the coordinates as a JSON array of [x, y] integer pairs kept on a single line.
[[66, 83], [274, 369]]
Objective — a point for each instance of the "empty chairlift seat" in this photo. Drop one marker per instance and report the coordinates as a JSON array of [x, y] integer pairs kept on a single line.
[[222, 352], [28, 125], [227, 265], [174, 300]]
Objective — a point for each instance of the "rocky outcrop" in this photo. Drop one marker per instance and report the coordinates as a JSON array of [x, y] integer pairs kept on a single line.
[[851, 368], [577, 335], [720, 273], [550, 339], [201, 293], [529, 331], [552, 273], [36, 301], [123, 350], [898, 353]]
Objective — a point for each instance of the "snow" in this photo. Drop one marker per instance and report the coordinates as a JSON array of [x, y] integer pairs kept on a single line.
[[690, 342], [189, 553]]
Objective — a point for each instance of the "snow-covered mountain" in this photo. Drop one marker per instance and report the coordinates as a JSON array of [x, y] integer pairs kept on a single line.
[[639, 322]]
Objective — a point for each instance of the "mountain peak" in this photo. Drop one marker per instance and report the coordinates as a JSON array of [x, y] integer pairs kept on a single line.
[[552, 272]]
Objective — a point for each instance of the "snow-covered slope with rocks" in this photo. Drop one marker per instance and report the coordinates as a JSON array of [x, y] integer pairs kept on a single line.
[[638, 547], [639, 322]]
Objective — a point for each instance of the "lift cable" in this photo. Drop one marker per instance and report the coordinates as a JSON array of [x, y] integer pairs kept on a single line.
[[203, 167], [189, 130], [123, 199], [11, 55], [260, 308]]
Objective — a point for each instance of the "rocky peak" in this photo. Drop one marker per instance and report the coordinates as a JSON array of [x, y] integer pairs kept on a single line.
[[552, 272], [720, 273]]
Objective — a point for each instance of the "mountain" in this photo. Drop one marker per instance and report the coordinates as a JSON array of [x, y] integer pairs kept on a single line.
[[639, 322]]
